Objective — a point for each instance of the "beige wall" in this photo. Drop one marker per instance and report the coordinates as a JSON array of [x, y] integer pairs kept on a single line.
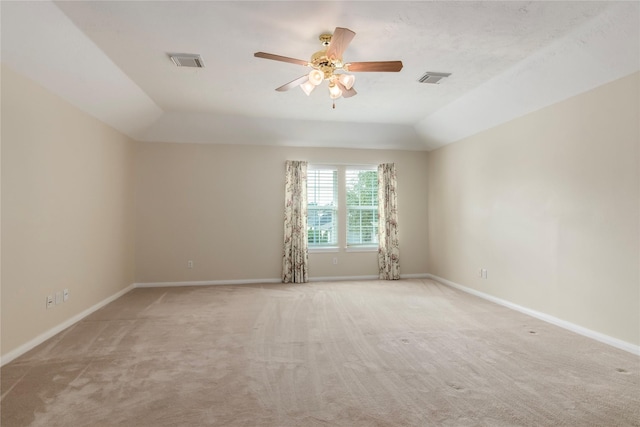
[[549, 205], [67, 210], [222, 207]]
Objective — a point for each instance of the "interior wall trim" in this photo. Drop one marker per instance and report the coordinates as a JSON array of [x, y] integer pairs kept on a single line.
[[606, 339], [19, 351], [206, 283], [278, 280], [370, 277], [340, 278]]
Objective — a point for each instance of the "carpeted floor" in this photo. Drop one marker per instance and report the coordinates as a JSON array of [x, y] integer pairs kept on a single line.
[[369, 353]]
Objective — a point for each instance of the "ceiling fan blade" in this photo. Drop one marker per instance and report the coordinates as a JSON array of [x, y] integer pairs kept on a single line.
[[280, 58], [339, 42], [346, 93], [293, 83], [380, 66]]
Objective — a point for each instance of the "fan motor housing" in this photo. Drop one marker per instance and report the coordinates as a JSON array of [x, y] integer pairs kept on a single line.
[[320, 61]]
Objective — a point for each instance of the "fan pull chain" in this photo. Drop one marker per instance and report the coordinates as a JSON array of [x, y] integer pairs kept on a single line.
[[334, 105]]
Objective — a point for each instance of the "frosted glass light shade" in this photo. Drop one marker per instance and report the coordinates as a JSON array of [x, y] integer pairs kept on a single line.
[[316, 77], [347, 80], [334, 92], [307, 87]]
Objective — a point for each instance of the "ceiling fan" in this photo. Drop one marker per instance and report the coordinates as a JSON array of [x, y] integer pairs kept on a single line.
[[327, 64]]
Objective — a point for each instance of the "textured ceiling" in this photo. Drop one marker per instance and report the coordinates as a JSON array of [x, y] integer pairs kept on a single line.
[[506, 59]]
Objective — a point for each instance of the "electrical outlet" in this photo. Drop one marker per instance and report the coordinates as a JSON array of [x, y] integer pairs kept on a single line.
[[335, 260], [65, 295], [49, 301], [190, 264], [484, 273]]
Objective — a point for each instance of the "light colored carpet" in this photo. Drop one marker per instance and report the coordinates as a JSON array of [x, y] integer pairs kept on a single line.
[[369, 353]]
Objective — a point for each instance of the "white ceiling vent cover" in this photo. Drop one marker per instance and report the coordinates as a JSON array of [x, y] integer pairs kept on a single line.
[[187, 60], [432, 77]]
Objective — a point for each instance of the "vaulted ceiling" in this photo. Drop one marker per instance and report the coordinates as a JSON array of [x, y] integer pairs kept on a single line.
[[110, 59]]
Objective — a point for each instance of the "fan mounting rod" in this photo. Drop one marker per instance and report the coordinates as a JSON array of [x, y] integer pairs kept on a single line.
[[325, 39]]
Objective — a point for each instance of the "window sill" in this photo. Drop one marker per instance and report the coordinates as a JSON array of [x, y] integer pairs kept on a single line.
[[323, 249], [361, 249]]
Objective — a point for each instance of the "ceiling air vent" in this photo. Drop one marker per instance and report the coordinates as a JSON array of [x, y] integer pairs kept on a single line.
[[187, 60], [432, 77]]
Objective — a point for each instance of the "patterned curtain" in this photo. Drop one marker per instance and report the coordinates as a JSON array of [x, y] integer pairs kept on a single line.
[[388, 248], [295, 255]]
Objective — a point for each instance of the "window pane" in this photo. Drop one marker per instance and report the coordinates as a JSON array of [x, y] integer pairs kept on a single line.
[[322, 196], [362, 207]]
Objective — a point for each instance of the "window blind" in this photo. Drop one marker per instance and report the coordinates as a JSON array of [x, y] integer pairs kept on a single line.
[[322, 195], [362, 207]]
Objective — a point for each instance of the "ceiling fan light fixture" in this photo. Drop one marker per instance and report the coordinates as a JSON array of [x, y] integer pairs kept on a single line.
[[316, 77], [307, 87], [347, 80], [334, 91], [327, 64]]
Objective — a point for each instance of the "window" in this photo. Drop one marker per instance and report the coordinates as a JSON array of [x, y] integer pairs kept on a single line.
[[362, 207], [342, 207], [322, 194]]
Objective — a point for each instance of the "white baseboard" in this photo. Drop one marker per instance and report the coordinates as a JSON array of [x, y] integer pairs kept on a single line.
[[340, 278], [257, 281], [13, 354], [206, 283], [606, 339], [371, 277], [415, 276]]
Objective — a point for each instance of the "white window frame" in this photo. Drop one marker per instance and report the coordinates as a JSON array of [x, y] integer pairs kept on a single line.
[[334, 244], [340, 211], [360, 247]]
